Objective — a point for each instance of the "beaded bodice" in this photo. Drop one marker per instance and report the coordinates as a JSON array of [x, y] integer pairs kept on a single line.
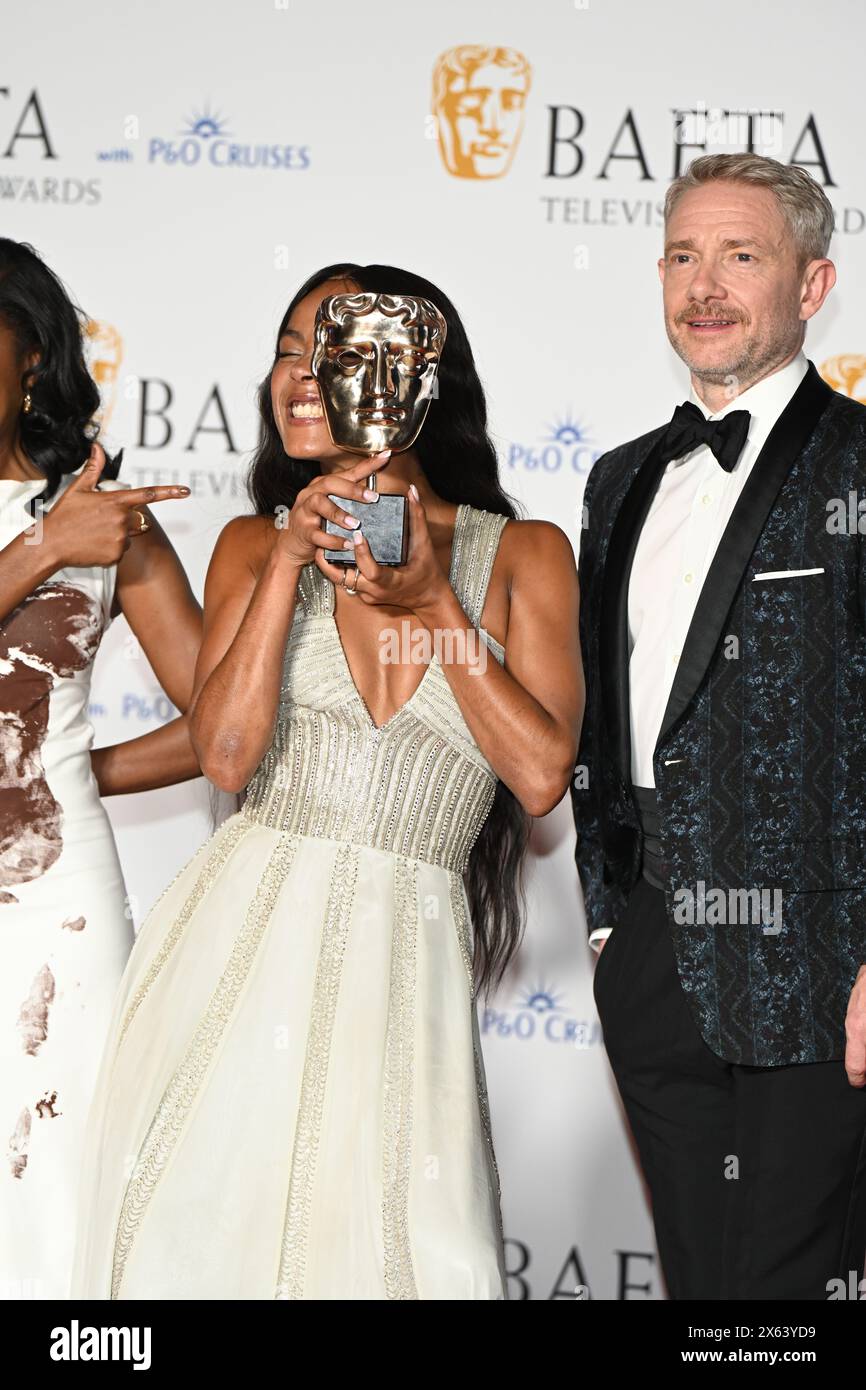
[[417, 785]]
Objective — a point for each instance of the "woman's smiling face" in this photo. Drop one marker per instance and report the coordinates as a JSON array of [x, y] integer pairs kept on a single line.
[[295, 398]]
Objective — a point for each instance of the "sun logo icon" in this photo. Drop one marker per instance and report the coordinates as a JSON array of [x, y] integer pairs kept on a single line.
[[567, 431], [541, 1000], [205, 124]]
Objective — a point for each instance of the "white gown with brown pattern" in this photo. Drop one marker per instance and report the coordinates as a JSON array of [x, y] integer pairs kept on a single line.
[[292, 1103], [64, 931]]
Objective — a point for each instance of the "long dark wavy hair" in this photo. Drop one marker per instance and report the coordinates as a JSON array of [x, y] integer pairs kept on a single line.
[[58, 430], [459, 462]]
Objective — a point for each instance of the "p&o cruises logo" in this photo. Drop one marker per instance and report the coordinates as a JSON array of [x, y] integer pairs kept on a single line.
[[208, 140], [541, 1013]]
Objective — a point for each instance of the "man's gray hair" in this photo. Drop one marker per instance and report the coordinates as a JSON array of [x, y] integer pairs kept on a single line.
[[802, 201]]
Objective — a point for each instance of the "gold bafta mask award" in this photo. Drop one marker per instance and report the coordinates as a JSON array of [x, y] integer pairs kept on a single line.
[[375, 358]]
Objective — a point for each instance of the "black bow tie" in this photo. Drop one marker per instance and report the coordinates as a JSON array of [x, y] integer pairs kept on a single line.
[[689, 427]]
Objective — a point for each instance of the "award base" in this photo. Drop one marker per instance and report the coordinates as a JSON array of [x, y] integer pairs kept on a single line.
[[385, 524]]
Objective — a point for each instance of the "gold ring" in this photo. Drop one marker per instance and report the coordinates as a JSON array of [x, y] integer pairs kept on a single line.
[[354, 589], [145, 524]]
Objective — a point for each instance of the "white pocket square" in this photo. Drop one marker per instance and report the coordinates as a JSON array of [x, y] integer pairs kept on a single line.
[[785, 574]]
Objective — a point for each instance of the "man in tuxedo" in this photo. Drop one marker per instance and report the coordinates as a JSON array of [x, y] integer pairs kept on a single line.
[[720, 794]]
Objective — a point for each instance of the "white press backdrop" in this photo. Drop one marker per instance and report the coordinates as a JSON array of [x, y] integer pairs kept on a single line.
[[184, 167]]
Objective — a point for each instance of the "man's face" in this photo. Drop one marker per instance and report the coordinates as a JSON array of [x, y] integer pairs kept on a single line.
[[375, 375], [732, 287], [481, 120]]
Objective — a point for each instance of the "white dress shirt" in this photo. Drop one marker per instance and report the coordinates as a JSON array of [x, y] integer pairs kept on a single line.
[[680, 536]]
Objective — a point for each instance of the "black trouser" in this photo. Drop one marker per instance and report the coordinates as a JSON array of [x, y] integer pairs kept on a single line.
[[757, 1174]]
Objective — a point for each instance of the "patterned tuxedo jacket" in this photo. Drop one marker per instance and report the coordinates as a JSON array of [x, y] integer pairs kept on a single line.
[[760, 764]]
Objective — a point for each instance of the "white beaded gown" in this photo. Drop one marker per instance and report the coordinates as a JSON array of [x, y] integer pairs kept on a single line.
[[292, 1103], [65, 928]]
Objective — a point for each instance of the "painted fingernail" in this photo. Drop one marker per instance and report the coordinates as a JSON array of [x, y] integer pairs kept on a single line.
[[357, 538], [414, 491], [349, 544], [351, 522], [370, 495]]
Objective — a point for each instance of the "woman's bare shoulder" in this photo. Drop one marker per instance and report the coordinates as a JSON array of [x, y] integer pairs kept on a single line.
[[537, 544], [245, 541], [241, 552]]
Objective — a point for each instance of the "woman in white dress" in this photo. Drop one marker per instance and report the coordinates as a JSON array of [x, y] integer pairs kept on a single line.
[[292, 1104], [66, 568]]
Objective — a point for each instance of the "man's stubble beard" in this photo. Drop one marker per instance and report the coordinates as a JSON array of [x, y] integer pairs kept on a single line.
[[755, 360]]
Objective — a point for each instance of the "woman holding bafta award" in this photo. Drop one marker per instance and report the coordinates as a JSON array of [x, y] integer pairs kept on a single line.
[[293, 1102]]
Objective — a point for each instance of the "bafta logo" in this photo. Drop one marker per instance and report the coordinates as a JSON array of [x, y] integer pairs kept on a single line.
[[845, 373], [479, 98], [105, 351]]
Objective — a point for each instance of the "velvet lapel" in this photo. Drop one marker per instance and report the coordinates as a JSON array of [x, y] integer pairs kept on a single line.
[[786, 440], [613, 637]]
